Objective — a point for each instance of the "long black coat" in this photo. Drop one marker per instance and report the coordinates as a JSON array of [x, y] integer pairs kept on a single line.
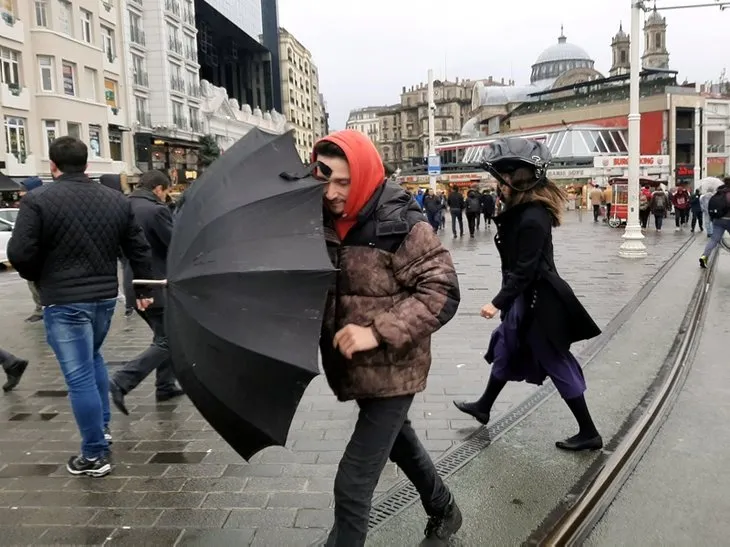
[[155, 218], [525, 244]]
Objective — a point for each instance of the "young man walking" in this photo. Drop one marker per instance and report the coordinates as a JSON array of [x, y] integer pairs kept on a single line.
[[396, 286], [66, 240], [155, 218]]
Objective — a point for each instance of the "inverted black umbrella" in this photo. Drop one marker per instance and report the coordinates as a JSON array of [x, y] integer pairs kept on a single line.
[[248, 275]]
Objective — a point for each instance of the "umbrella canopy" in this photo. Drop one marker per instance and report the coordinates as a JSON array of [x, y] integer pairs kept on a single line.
[[9, 185], [248, 275], [709, 184]]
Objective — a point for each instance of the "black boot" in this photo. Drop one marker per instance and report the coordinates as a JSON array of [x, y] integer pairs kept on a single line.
[[440, 528], [118, 394], [480, 409], [14, 373], [587, 437]]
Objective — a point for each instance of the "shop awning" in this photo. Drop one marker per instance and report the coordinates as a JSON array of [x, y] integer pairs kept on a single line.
[[9, 185]]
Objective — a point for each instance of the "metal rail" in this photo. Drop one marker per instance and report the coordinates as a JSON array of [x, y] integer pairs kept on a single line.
[[572, 526]]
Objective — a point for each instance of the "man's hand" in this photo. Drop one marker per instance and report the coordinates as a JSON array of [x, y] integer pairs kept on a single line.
[[352, 339], [489, 311], [144, 303]]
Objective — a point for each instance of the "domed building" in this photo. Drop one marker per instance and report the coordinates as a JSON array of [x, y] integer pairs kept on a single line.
[[559, 65]]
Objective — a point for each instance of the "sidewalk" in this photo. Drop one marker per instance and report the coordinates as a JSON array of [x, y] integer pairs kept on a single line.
[[510, 487], [678, 494]]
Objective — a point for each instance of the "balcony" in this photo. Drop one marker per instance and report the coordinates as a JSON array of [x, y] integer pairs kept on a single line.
[[144, 119], [15, 96], [175, 46], [194, 90], [141, 79], [171, 6], [177, 84], [136, 36], [115, 117], [191, 54], [112, 63], [11, 27], [189, 17], [181, 122], [196, 126]]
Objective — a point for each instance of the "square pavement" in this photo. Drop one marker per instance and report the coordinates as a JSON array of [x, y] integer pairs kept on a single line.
[[177, 483]]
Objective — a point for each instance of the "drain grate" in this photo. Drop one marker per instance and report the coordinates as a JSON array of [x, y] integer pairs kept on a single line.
[[404, 494]]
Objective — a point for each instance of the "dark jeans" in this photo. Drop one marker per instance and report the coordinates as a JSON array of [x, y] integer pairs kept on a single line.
[[75, 333], [456, 214], [382, 431], [681, 216], [659, 219], [608, 210], [644, 217], [7, 359], [487, 219], [434, 220], [596, 212], [156, 357], [719, 227], [697, 218], [471, 219]]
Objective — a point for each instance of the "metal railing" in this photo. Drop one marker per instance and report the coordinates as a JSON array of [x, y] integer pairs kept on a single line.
[[144, 119], [191, 54], [175, 45], [141, 78], [189, 17], [177, 84], [194, 90], [180, 121], [136, 36], [196, 126], [173, 7]]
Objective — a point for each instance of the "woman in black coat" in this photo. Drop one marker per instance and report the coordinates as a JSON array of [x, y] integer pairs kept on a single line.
[[541, 316]]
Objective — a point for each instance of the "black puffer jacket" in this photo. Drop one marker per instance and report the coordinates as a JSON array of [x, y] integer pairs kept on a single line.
[[67, 238]]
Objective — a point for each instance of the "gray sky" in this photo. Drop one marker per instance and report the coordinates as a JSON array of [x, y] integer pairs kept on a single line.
[[366, 50]]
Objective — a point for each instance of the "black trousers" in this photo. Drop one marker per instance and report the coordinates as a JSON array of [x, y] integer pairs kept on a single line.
[[471, 219], [697, 218], [382, 431], [681, 216], [456, 214]]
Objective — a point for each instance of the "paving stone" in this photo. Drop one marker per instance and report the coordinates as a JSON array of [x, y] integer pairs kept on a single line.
[[314, 518], [193, 518], [66, 535], [218, 538], [280, 480], [17, 535]]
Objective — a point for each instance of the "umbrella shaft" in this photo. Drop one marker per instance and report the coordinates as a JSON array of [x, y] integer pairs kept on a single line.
[[150, 282]]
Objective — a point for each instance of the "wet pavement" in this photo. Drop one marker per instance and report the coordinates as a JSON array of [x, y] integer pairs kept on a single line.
[[686, 464], [176, 482]]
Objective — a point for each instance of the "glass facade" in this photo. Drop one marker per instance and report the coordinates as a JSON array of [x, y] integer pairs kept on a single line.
[[245, 14]]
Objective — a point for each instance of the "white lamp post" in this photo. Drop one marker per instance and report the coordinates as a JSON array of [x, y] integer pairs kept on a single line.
[[633, 246]]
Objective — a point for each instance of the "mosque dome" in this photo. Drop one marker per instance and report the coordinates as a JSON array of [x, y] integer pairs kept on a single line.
[[558, 59]]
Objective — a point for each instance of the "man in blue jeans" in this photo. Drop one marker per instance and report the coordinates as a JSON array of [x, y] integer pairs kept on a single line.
[[66, 240]]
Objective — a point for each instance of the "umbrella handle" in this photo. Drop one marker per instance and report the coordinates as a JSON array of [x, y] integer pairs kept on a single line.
[[150, 282]]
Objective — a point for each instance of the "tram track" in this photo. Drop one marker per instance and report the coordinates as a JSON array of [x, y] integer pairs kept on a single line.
[[571, 522]]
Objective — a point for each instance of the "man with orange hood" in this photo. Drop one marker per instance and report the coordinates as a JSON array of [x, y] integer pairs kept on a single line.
[[395, 287]]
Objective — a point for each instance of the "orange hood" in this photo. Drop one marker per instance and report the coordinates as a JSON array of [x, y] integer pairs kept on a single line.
[[366, 174]]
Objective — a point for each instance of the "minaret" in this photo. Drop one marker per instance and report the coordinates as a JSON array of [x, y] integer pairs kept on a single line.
[[621, 47], [655, 42]]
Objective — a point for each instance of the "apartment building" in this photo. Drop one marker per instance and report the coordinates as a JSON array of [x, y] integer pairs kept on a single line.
[[365, 120], [60, 74], [162, 54], [300, 92]]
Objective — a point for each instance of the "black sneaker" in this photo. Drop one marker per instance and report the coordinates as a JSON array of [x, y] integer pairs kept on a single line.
[[79, 465], [108, 436], [14, 373], [703, 262], [163, 396], [440, 528]]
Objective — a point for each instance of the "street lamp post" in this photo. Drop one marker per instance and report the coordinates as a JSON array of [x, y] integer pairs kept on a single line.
[[633, 245], [431, 131]]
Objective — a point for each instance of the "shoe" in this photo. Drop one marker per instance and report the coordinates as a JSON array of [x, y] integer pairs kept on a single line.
[[129, 312], [108, 436], [168, 395], [439, 529], [578, 443], [118, 397], [472, 410], [703, 262], [34, 318], [14, 373], [79, 465]]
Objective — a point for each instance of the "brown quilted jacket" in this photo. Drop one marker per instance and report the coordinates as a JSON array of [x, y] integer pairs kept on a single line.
[[395, 276]]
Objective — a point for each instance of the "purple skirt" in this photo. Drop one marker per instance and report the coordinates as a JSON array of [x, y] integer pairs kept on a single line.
[[529, 356]]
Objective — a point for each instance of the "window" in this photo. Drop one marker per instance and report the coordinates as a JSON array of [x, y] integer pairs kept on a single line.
[[65, 17], [86, 27], [90, 84], [177, 113], [15, 138], [194, 120], [95, 141], [41, 13], [50, 128], [173, 43], [193, 84], [107, 38], [115, 145], [135, 29], [69, 79], [9, 62], [45, 64], [73, 129], [139, 73], [142, 116], [110, 93]]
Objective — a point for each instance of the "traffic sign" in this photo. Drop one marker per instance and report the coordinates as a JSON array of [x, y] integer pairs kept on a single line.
[[434, 165]]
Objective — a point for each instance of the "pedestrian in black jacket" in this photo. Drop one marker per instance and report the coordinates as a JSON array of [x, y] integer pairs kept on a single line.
[[541, 316], [66, 240], [154, 216], [488, 205], [456, 208]]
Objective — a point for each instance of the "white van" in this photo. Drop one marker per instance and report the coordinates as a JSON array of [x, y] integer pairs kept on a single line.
[[7, 222]]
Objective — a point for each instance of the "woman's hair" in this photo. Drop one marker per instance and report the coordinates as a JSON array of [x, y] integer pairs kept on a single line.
[[552, 196]]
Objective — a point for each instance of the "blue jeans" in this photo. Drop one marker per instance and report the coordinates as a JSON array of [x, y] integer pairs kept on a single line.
[[719, 227], [76, 332]]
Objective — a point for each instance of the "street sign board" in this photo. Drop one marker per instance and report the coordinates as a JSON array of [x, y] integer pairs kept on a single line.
[[434, 165]]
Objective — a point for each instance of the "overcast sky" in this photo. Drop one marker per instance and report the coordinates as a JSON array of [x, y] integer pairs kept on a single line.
[[366, 50]]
